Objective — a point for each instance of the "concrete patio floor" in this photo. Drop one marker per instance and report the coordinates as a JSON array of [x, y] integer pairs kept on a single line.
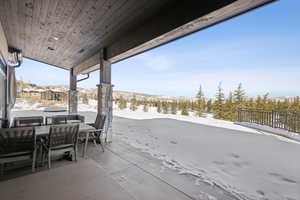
[[139, 174]]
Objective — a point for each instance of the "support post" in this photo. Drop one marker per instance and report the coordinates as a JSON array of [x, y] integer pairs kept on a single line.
[[105, 100], [6, 114], [73, 94]]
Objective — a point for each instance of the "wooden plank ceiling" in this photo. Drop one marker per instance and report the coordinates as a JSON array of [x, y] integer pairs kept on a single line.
[[70, 33]]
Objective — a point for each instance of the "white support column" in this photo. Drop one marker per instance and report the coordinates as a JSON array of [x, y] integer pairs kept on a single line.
[[105, 101], [73, 94]]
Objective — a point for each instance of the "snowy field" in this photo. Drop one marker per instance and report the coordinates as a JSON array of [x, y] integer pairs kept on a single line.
[[247, 163]]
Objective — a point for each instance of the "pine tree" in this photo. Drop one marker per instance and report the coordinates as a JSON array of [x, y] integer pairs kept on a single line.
[[209, 106], [200, 94], [229, 111], [200, 106], [174, 108], [239, 95], [184, 109], [219, 103], [165, 107], [122, 103], [145, 107], [159, 107], [133, 104]]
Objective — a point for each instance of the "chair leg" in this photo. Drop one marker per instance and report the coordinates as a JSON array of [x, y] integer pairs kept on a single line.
[[101, 144], [40, 157], [43, 157], [2, 169], [75, 153], [33, 161], [49, 159]]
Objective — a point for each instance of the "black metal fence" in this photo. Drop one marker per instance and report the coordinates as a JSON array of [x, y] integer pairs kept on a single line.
[[286, 120]]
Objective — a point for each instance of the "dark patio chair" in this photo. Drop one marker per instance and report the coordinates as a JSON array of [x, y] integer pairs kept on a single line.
[[63, 119], [75, 117], [55, 120], [28, 121], [17, 144], [62, 137], [99, 126]]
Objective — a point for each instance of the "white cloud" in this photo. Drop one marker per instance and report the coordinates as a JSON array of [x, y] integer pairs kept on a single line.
[[155, 62]]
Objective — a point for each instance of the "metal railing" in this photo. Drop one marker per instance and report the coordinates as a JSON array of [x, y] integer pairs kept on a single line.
[[285, 120]]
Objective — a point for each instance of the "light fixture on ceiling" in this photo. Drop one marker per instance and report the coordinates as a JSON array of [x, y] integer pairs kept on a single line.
[[55, 38]]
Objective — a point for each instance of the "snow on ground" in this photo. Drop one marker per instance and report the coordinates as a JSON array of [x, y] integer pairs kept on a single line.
[[152, 114], [278, 132], [140, 114], [23, 105], [249, 166]]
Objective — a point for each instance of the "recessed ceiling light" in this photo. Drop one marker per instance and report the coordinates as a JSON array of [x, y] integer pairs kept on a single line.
[[55, 38]]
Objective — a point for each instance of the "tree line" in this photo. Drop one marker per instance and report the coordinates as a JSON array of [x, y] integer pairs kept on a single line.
[[221, 107]]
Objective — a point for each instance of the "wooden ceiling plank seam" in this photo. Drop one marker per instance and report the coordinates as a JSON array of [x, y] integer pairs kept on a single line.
[[95, 58], [80, 20], [39, 28], [111, 22], [87, 37], [14, 24], [34, 29], [83, 18], [27, 16], [61, 31], [4, 21], [135, 9], [54, 18], [75, 16], [99, 24], [119, 27], [50, 25], [21, 24]]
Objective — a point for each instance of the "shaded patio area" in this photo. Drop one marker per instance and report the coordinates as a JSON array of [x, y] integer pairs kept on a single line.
[[138, 174], [126, 170]]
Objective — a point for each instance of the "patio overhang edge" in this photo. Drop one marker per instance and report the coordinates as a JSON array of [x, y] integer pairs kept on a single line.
[[144, 39]]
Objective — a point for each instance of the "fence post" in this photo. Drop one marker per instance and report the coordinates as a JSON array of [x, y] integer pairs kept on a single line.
[[273, 120]]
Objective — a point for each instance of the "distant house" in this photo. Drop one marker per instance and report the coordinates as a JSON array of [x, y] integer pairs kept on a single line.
[[54, 95], [31, 93]]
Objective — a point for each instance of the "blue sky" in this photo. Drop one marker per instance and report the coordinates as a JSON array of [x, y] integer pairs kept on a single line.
[[259, 49]]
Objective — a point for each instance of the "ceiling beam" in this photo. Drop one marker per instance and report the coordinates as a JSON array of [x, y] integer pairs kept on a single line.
[[175, 20]]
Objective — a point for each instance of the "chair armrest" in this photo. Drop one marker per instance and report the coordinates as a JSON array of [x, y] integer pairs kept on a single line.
[[81, 118], [90, 124]]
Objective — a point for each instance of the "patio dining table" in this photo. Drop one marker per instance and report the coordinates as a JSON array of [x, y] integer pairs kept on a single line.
[[42, 131]]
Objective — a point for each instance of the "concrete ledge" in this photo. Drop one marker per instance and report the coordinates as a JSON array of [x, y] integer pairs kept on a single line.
[[275, 131]]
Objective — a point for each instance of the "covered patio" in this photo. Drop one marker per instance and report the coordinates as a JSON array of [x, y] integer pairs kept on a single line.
[[83, 37]]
